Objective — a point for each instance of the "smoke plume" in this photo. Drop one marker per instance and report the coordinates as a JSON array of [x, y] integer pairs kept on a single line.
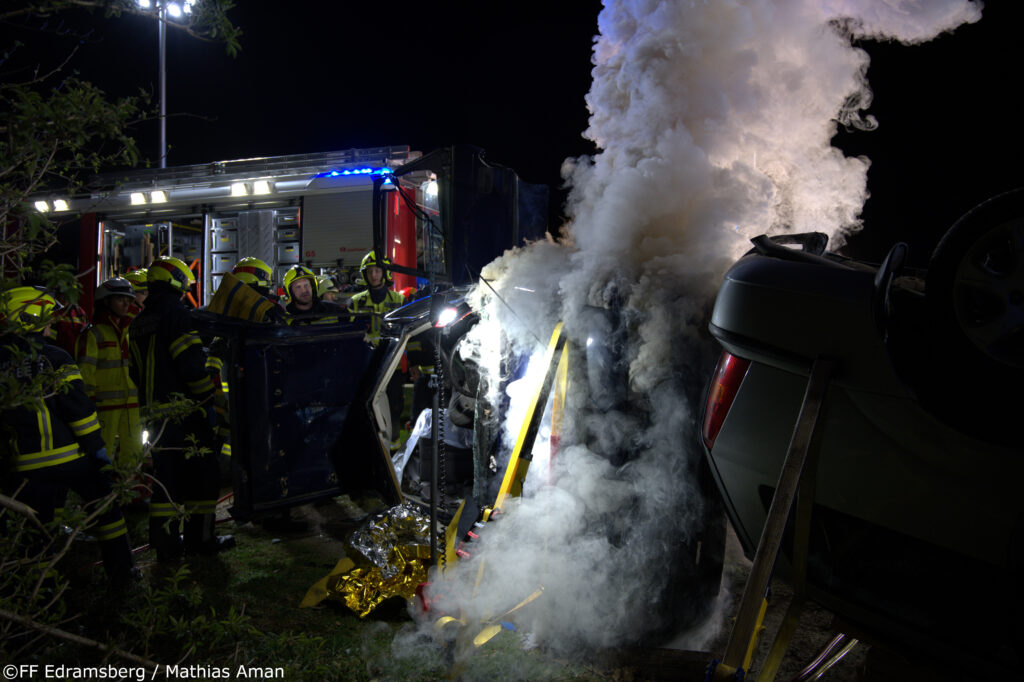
[[713, 122]]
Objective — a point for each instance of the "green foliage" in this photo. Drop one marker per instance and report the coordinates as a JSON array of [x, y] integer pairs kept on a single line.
[[171, 620], [60, 279], [30, 581], [57, 130], [53, 132]]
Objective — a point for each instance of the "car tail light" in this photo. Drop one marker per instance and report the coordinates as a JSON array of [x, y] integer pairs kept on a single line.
[[728, 377]]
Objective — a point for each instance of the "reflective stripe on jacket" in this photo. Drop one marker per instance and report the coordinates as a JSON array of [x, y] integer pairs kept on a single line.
[[104, 358], [363, 303], [55, 429]]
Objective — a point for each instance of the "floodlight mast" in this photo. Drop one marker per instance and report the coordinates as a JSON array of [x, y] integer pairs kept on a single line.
[[163, 10], [162, 37]]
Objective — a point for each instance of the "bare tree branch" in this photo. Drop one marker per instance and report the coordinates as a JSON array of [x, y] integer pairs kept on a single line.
[[84, 641]]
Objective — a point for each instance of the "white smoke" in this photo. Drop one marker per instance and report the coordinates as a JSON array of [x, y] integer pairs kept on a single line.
[[713, 122]]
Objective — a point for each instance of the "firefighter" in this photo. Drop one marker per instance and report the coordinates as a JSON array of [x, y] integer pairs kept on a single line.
[[170, 359], [378, 299], [256, 274], [326, 289], [104, 357], [304, 305], [140, 283], [56, 443]]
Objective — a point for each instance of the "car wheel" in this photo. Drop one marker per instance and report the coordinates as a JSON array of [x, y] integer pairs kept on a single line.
[[975, 292]]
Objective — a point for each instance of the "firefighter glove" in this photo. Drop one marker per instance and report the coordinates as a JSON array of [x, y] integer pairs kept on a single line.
[[101, 456]]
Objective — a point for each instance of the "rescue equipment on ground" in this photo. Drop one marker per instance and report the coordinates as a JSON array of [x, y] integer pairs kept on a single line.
[[391, 559]]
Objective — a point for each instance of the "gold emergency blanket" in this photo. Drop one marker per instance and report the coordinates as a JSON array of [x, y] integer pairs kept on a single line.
[[393, 551], [235, 298]]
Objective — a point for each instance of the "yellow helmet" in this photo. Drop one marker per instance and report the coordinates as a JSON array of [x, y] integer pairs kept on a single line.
[[138, 278], [371, 259], [254, 272], [172, 271], [296, 272], [28, 309], [324, 284]]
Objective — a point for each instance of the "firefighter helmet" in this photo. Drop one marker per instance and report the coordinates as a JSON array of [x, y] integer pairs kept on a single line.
[[370, 259], [253, 272], [297, 272], [28, 309], [114, 287], [172, 271], [138, 278], [324, 284]]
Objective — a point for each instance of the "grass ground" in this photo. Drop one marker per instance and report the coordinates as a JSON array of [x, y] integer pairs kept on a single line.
[[241, 607]]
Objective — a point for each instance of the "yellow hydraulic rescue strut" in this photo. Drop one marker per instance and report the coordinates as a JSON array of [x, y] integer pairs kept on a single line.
[[519, 461], [556, 366]]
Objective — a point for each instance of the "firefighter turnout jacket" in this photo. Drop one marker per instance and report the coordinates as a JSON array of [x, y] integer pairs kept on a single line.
[[59, 428], [364, 302], [57, 446], [104, 356], [168, 354], [322, 312]]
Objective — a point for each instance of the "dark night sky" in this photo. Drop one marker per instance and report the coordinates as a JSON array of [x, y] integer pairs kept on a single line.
[[511, 78]]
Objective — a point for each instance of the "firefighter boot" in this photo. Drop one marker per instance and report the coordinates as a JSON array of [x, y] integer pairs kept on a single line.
[[164, 540], [201, 539], [119, 564]]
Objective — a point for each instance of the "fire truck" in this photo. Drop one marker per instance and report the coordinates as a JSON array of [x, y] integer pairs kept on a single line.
[[314, 209], [309, 413]]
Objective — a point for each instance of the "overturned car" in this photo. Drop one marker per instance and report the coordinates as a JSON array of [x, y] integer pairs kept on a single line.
[[915, 456]]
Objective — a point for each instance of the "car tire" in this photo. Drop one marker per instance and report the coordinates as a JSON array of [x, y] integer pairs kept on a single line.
[[975, 294]]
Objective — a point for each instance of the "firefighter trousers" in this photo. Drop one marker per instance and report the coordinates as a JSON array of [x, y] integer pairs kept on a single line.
[[46, 489], [186, 483], [122, 433]]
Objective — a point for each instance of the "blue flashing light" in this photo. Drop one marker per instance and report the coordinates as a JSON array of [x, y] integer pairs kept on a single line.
[[354, 171]]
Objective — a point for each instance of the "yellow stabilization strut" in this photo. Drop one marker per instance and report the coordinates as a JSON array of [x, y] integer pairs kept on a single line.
[[519, 461]]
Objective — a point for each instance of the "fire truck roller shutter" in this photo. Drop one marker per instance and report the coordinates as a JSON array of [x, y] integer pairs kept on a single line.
[[337, 225]]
